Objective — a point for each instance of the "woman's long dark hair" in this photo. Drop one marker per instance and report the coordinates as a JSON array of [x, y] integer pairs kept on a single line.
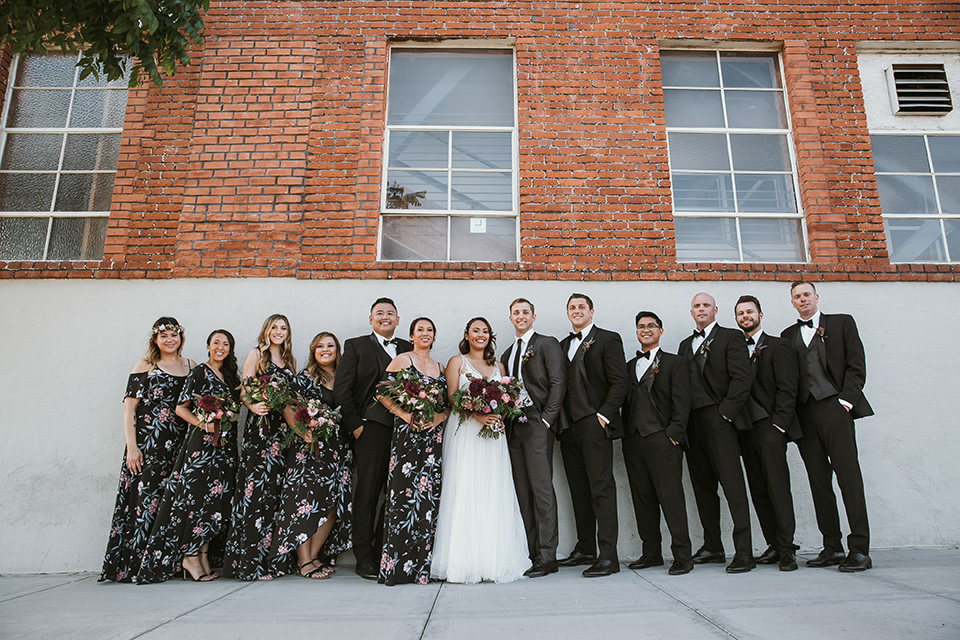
[[229, 369], [489, 351], [153, 351], [313, 367]]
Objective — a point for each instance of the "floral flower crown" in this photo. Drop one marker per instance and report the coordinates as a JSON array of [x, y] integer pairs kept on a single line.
[[166, 327]]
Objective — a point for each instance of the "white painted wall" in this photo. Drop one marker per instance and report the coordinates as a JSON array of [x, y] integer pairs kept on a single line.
[[69, 346]]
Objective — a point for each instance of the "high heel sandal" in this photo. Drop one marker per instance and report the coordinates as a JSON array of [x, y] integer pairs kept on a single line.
[[203, 577], [213, 574]]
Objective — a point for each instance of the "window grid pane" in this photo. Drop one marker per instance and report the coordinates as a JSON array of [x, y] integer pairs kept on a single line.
[[728, 139], [449, 156], [918, 181], [58, 158]]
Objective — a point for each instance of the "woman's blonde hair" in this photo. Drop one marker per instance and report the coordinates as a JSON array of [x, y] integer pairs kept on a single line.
[[263, 345]]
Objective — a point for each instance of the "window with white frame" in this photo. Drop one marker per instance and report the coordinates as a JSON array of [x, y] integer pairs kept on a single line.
[[918, 179], [731, 161], [59, 142], [449, 189]]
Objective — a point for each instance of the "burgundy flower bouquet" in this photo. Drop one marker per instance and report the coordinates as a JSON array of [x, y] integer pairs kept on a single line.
[[220, 411], [415, 393], [496, 396]]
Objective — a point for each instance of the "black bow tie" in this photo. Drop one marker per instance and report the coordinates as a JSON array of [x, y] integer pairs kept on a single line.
[[643, 354], [578, 335], [750, 340], [809, 322], [389, 342], [699, 334]]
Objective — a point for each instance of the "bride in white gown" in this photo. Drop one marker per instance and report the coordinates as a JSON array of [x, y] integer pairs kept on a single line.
[[480, 534]]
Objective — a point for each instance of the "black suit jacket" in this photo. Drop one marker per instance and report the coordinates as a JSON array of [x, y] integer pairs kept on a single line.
[[361, 368], [544, 377], [774, 391], [842, 357], [668, 390], [725, 370], [598, 375]]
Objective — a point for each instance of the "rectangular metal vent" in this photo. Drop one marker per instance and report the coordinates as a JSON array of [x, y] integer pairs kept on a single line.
[[919, 89]]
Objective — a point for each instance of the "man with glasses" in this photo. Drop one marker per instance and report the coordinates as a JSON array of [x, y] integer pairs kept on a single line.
[[655, 415]]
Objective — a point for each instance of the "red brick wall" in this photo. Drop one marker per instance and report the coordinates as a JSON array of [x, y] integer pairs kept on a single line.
[[263, 158]]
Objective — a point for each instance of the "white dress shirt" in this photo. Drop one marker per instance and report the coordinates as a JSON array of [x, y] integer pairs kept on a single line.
[[644, 363], [697, 340], [806, 332], [390, 348], [576, 342]]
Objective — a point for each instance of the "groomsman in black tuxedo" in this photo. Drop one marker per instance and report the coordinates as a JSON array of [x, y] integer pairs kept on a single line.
[[655, 414], [832, 369], [538, 361], [720, 381], [596, 386], [362, 366], [771, 410]]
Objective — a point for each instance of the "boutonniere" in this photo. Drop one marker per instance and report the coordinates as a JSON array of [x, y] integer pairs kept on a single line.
[[526, 356], [705, 347], [655, 365], [586, 345], [756, 352], [822, 333]]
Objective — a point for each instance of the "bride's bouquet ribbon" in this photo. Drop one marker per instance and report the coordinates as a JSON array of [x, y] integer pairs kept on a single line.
[[496, 396]]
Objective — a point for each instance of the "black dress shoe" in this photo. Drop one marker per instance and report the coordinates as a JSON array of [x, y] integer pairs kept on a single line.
[[855, 562], [540, 569], [367, 571], [576, 558], [827, 559], [644, 562], [602, 568], [770, 556], [741, 565], [703, 557], [788, 562], [680, 567]]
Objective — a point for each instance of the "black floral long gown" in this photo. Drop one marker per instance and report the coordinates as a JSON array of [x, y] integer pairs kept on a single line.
[[195, 507], [313, 486], [159, 436], [256, 500], [413, 498]]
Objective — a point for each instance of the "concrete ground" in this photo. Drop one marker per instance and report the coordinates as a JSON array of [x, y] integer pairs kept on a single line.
[[909, 594]]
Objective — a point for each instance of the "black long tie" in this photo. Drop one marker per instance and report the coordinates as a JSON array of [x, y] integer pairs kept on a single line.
[[516, 359]]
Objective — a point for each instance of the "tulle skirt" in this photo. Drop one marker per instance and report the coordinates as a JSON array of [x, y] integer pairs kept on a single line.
[[480, 534]]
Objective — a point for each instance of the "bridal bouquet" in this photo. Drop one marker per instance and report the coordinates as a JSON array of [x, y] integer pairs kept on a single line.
[[494, 396], [220, 411], [315, 420], [416, 393], [274, 390]]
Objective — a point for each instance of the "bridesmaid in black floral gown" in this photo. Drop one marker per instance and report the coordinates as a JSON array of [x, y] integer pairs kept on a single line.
[[262, 464], [413, 478], [154, 434], [195, 507], [317, 479]]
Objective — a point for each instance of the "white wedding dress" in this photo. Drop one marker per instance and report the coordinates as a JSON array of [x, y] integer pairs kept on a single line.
[[480, 534]]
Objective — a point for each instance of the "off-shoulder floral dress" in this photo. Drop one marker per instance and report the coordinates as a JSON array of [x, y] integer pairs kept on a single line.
[[159, 437], [195, 507]]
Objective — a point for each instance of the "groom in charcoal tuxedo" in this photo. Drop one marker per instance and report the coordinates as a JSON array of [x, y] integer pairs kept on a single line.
[[831, 371], [596, 386], [362, 366], [537, 361]]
